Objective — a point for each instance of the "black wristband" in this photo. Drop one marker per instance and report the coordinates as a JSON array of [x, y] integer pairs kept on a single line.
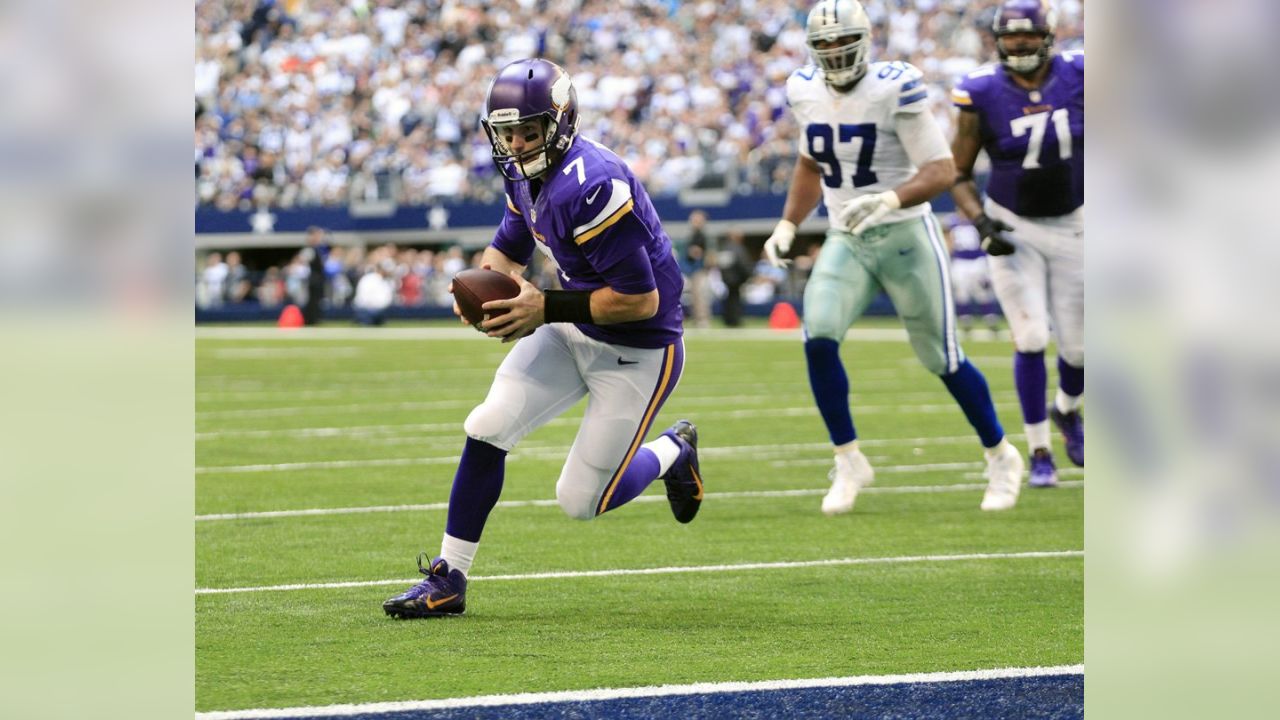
[[568, 306]]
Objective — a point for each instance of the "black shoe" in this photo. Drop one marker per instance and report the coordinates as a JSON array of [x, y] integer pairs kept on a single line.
[[684, 482], [1071, 425]]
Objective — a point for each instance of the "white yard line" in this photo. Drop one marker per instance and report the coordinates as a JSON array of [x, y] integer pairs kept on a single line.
[[575, 696], [287, 353], [778, 456], [319, 409], [461, 333], [902, 559], [801, 411], [743, 494]]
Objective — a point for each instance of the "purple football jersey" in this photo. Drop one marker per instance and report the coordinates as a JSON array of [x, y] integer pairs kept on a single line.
[[1035, 138], [593, 219]]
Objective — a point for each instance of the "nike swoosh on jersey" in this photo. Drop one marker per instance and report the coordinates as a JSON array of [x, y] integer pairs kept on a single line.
[[592, 196], [627, 362]]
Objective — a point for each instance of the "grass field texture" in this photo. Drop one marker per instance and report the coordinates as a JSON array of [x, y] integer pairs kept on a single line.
[[357, 421]]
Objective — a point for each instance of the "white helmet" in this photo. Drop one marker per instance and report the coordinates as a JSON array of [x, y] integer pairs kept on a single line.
[[847, 22]]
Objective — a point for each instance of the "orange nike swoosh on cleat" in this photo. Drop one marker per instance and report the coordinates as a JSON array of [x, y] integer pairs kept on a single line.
[[433, 605], [699, 481]]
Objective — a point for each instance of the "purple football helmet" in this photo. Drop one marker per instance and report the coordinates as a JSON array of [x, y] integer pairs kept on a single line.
[[1025, 16], [528, 90]]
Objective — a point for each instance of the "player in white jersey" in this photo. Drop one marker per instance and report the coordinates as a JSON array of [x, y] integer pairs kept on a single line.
[[872, 151]]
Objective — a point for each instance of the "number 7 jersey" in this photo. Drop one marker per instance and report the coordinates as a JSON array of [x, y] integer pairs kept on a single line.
[[854, 136], [1035, 138]]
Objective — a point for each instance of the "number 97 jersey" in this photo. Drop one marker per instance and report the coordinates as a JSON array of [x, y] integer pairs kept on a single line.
[[854, 136], [1035, 138]]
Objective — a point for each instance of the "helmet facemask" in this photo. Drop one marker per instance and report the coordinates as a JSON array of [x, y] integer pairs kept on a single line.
[[838, 33], [1025, 17], [536, 157], [845, 63], [1027, 63]]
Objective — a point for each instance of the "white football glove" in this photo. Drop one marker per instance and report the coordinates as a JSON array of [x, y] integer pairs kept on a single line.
[[779, 243], [864, 211]]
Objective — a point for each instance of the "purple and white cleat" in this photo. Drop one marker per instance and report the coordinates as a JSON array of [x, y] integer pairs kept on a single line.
[[1071, 425], [444, 592], [1043, 473]]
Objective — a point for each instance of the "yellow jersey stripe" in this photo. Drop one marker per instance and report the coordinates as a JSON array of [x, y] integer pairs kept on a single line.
[[615, 217], [512, 206]]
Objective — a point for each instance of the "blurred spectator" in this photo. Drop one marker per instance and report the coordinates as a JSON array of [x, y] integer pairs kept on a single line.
[[374, 293], [335, 272], [315, 254], [271, 290], [213, 282], [237, 281], [454, 263], [735, 270], [295, 280], [695, 267]]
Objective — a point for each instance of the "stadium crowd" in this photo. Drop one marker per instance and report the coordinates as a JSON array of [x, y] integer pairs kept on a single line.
[[419, 277], [325, 102]]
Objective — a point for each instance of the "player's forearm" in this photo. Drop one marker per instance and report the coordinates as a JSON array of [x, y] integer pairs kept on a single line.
[[964, 148], [929, 181], [804, 193], [609, 306], [498, 260], [968, 201]]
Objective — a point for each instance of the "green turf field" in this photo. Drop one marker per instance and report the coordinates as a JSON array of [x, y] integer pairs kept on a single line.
[[360, 421]]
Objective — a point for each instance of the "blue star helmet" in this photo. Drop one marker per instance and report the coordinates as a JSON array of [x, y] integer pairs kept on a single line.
[[1025, 16], [524, 91], [846, 23]]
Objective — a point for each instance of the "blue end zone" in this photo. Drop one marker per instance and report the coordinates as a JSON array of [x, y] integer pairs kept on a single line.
[[1055, 696]]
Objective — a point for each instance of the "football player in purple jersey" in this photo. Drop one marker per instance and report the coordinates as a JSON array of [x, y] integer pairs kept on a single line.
[[613, 333], [1027, 113]]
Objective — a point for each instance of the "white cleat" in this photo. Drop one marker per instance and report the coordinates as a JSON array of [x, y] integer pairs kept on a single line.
[[851, 473], [1004, 478]]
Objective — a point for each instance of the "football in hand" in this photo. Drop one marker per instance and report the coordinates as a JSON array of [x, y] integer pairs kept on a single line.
[[475, 287]]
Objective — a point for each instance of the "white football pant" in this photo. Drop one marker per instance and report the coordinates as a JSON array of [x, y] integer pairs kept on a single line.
[[1042, 284], [547, 372]]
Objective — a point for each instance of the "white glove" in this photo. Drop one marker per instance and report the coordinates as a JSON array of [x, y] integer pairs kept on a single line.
[[864, 211], [779, 243]]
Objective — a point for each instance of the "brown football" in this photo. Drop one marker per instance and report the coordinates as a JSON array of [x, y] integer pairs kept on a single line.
[[475, 287]]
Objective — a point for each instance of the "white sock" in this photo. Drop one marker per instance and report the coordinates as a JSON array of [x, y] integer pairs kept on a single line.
[[1066, 403], [1038, 435], [999, 449], [458, 553], [667, 451], [850, 448]]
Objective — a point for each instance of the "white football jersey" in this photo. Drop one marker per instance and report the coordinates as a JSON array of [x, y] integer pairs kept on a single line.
[[854, 136]]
